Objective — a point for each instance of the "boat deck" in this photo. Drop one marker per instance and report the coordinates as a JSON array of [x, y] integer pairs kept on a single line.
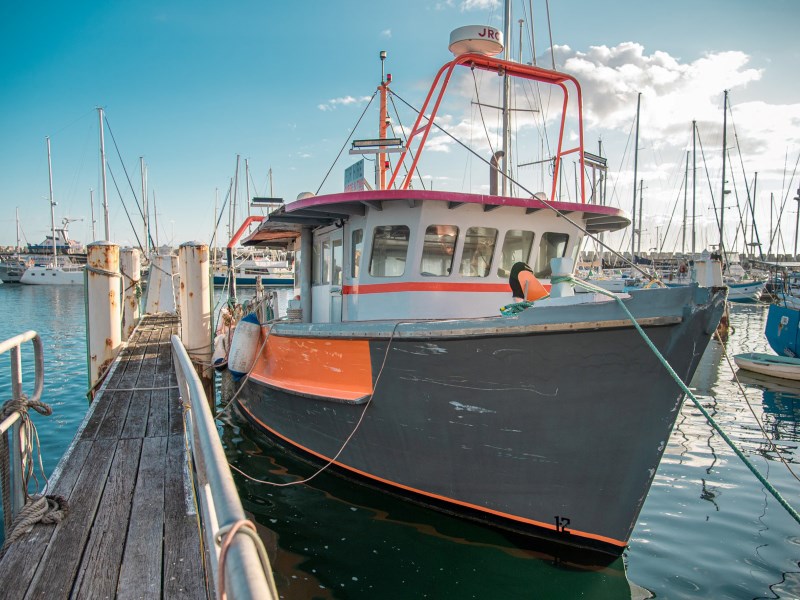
[[131, 530]]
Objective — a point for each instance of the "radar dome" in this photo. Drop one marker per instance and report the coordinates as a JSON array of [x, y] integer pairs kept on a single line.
[[480, 39]]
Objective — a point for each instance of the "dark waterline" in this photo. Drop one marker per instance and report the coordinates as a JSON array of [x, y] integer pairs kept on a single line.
[[707, 529]]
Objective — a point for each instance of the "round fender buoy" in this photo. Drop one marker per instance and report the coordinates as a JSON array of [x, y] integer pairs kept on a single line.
[[242, 354]]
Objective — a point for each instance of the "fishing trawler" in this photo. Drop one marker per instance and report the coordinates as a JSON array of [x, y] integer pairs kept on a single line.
[[397, 367]]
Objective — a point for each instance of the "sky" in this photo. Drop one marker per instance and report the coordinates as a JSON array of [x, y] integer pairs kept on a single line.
[[191, 86]]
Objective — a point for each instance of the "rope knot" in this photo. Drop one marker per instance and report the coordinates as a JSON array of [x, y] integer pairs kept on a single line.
[[38, 509], [22, 405]]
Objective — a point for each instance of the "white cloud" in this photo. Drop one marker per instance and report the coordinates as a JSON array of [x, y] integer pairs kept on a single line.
[[342, 101], [468, 5], [387, 33]]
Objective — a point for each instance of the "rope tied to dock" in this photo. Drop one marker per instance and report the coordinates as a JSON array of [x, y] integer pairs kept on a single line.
[[39, 509], [711, 421], [225, 536], [105, 272]]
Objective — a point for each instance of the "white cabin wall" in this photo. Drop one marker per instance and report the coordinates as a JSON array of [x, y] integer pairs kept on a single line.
[[391, 303]]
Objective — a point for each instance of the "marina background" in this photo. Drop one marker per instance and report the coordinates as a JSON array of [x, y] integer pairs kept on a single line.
[[707, 529], [190, 87]]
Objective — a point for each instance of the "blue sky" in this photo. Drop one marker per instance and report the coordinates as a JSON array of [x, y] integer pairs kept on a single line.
[[189, 85]]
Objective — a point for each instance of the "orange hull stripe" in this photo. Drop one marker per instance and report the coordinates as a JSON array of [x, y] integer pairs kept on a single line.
[[320, 367], [426, 286], [583, 534]]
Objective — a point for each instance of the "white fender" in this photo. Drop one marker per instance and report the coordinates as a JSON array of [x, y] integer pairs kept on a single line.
[[242, 354], [220, 356]]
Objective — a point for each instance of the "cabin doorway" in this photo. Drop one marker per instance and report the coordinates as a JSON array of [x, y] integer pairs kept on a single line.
[[327, 277]]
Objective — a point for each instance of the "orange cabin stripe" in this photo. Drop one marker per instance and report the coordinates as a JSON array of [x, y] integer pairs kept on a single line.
[[326, 368], [426, 286]]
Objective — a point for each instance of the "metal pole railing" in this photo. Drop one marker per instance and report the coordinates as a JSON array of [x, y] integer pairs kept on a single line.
[[247, 571], [16, 459]]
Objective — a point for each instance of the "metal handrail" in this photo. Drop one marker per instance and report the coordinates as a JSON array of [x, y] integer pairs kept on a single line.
[[221, 507], [13, 421]]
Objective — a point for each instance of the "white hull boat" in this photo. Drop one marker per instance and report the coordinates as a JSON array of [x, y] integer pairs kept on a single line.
[[769, 364], [49, 275]]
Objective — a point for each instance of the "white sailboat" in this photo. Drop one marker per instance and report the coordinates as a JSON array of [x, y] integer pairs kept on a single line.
[[53, 273]]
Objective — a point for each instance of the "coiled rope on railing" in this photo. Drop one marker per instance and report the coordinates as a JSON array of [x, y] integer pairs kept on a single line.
[[767, 485], [38, 508]]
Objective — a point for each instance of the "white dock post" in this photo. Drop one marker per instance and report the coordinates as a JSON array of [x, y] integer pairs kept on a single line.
[[195, 309], [561, 267], [130, 266], [103, 322], [161, 286]]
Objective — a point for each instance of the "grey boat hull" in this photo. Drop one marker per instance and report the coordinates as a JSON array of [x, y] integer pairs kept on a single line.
[[550, 423]]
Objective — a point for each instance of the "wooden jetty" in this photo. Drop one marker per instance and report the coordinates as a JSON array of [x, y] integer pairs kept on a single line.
[[132, 528]]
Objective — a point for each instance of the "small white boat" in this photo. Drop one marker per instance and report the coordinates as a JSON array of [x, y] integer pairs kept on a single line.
[[53, 275], [769, 364]]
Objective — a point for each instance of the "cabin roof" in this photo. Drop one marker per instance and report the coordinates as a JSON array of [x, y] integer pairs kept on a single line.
[[284, 224]]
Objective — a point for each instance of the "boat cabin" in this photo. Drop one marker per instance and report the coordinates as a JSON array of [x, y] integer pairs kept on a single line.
[[407, 254]]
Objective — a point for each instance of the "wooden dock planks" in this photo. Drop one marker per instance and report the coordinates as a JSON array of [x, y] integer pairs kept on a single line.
[[129, 532]]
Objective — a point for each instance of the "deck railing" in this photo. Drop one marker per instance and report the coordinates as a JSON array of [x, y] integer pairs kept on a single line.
[[13, 462], [247, 573]]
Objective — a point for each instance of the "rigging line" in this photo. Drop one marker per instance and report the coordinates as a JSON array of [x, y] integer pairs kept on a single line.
[[671, 218], [545, 202], [751, 201], [70, 124], [127, 214], [710, 190], [784, 201], [739, 210], [550, 32], [219, 218], [119, 155], [405, 137], [347, 140], [330, 461], [480, 109]]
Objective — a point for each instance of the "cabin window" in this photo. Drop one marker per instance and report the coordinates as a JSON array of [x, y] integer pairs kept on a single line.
[[476, 259], [325, 266], [356, 247], [316, 272], [389, 249], [516, 248], [438, 250], [337, 254], [552, 245]]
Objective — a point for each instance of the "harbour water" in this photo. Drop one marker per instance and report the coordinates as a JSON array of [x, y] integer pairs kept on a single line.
[[708, 528]]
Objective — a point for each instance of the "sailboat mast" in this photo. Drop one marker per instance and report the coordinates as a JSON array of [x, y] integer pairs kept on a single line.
[[16, 248], [247, 183], [103, 174], [52, 205], [685, 196], [641, 203], [635, 173], [694, 182], [384, 117], [506, 93], [91, 206], [145, 209], [724, 154]]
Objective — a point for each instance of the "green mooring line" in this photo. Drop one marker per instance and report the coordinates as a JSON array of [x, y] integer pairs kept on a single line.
[[776, 494]]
